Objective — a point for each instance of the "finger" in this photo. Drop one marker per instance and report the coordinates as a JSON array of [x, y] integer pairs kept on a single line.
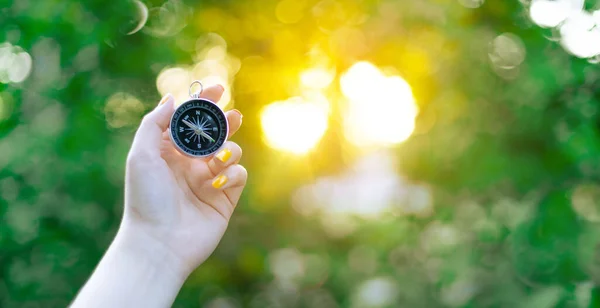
[[231, 182], [234, 118], [172, 156], [234, 176], [149, 135], [212, 93], [229, 154], [236, 183]]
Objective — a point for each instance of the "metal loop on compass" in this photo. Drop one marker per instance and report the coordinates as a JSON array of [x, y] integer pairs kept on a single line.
[[197, 94]]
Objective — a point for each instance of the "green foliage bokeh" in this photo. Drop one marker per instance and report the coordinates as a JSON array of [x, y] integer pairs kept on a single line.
[[506, 158]]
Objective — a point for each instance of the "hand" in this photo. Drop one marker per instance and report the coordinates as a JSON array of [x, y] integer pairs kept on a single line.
[[176, 211], [176, 204]]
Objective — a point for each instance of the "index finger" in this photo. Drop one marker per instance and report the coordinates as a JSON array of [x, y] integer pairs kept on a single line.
[[234, 118], [213, 93]]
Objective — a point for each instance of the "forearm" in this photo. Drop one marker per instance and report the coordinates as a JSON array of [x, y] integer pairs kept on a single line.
[[134, 272]]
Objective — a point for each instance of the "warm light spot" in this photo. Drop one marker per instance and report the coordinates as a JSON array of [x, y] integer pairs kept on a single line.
[[360, 80], [294, 125], [585, 201], [370, 189], [439, 237], [418, 201], [316, 78], [174, 80], [287, 264], [472, 4], [137, 23], [507, 51], [549, 14], [376, 292], [212, 65], [461, 290], [168, 19], [579, 32], [217, 53], [15, 64], [580, 36], [222, 302], [381, 109], [317, 98], [20, 68], [212, 72], [123, 109]]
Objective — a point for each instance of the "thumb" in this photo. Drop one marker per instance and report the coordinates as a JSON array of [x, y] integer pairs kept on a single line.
[[149, 135]]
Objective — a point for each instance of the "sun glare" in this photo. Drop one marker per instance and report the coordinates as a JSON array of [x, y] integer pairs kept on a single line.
[[578, 28], [316, 78], [549, 14], [294, 125], [213, 65], [381, 109]]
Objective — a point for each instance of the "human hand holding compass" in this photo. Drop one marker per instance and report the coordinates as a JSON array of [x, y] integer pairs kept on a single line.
[[178, 201], [177, 206]]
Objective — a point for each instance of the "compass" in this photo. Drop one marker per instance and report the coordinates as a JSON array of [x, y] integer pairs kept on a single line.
[[198, 126]]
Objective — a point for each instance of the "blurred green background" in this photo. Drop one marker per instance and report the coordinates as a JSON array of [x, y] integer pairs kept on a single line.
[[434, 153]]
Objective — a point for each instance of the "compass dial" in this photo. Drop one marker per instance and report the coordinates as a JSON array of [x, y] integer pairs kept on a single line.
[[199, 127]]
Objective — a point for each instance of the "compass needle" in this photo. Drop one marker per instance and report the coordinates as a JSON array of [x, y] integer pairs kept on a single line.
[[188, 123], [207, 136]]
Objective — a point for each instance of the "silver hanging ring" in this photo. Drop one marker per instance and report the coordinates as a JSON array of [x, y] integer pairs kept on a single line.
[[197, 94]]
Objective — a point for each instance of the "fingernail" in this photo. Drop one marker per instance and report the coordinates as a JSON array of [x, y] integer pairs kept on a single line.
[[219, 181], [224, 155], [220, 86], [165, 99], [238, 112]]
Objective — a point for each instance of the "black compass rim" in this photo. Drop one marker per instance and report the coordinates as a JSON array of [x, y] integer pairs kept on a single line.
[[172, 125]]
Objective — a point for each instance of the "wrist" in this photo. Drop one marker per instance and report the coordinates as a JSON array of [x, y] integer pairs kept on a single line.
[[134, 272], [150, 252]]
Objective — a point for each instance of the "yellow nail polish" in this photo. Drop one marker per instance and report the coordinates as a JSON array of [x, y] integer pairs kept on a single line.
[[164, 99], [219, 181], [224, 155]]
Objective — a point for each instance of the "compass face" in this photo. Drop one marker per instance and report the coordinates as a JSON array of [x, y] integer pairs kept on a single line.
[[199, 127]]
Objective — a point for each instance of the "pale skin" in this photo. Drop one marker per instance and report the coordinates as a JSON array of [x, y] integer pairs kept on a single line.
[[176, 211]]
